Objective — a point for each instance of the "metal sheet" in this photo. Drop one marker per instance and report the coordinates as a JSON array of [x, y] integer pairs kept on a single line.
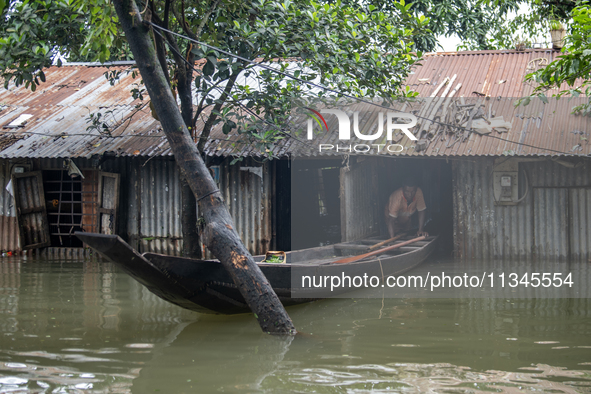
[[481, 229], [247, 190], [61, 109], [551, 223], [359, 211], [160, 207], [31, 209], [493, 73], [580, 223], [8, 224], [535, 227]]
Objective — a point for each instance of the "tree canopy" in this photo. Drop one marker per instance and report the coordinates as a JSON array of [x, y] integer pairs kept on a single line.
[[361, 51], [570, 73]]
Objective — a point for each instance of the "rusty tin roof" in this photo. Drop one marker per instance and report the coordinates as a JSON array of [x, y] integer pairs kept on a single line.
[[61, 108]]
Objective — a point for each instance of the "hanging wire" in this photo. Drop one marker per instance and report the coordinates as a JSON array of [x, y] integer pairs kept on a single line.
[[327, 89]]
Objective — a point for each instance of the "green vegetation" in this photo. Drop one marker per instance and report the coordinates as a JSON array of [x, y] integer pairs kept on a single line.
[[361, 51], [274, 259], [570, 74]]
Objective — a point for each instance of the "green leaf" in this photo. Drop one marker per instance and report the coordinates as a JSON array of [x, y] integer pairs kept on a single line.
[[208, 68], [543, 98], [198, 52], [212, 59]]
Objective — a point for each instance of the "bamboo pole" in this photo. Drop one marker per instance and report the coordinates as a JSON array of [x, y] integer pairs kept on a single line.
[[386, 241], [377, 252]]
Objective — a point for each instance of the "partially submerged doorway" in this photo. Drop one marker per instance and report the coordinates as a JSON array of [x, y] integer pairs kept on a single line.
[[52, 205]]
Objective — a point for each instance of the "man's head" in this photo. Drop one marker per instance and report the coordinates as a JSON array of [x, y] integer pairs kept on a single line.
[[410, 186]]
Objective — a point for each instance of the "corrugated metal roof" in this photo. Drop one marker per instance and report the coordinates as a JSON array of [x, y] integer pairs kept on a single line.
[[495, 77], [481, 71], [61, 109]]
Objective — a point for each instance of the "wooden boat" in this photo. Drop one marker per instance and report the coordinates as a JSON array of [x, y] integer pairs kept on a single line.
[[205, 286]]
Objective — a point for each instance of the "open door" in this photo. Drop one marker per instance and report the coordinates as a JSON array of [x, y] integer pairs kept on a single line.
[[108, 202], [31, 211]]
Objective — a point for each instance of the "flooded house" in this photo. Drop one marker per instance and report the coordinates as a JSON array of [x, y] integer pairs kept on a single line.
[[500, 181], [80, 154]]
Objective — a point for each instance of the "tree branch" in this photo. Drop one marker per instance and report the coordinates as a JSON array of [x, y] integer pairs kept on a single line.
[[159, 44], [218, 106]]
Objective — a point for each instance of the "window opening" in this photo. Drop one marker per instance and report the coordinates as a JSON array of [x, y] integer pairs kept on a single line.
[[71, 206]]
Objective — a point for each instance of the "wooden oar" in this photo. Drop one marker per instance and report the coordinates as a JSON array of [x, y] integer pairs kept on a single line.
[[377, 252], [386, 241]]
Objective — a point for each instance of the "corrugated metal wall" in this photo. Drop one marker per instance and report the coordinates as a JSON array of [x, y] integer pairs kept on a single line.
[[556, 209], [551, 222], [8, 226], [580, 233], [158, 206], [359, 211], [150, 202], [247, 189]]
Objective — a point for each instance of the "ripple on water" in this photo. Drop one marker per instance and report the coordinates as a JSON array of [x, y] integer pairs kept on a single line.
[[439, 377], [60, 379]]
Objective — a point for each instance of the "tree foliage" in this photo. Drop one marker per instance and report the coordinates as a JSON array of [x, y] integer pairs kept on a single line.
[[484, 24], [473, 21], [357, 50], [570, 73], [36, 34]]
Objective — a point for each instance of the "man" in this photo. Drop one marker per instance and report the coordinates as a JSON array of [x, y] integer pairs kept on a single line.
[[403, 203]]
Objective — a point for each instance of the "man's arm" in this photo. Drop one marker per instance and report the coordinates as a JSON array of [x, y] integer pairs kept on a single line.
[[422, 208], [422, 216]]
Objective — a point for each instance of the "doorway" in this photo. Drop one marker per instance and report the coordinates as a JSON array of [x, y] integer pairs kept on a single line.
[[434, 177], [315, 203]]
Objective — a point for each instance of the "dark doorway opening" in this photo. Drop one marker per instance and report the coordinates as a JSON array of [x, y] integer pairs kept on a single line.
[[315, 203], [434, 177]]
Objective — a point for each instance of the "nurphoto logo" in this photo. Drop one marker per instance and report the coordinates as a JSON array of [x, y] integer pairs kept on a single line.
[[365, 132]]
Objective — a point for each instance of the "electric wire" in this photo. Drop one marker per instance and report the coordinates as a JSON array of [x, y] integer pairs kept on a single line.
[[281, 130], [328, 89]]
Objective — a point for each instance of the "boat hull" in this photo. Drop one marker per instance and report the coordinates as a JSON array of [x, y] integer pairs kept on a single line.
[[205, 286]]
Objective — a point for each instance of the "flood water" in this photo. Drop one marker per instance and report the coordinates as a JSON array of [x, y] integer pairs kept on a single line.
[[68, 327]]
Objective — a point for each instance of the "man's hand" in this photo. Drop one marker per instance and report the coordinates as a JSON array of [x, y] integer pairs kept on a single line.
[[422, 233]]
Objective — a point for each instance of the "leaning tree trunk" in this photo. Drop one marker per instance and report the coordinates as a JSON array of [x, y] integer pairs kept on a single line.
[[219, 235]]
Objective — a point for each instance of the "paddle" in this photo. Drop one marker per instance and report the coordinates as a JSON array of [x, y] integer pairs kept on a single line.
[[386, 241], [377, 252]]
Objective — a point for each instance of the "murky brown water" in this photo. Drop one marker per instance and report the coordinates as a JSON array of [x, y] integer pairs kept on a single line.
[[68, 327]]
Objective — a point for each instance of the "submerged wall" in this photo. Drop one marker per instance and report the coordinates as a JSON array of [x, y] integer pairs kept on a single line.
[[8, 225], [149, 214], [552, 221]]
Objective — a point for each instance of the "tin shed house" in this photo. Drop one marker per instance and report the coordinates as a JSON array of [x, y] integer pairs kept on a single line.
[[81, 155], [500, 181]]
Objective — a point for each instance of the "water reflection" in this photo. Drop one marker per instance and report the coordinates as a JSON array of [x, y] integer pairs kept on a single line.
[[85, 327], [77, 327]]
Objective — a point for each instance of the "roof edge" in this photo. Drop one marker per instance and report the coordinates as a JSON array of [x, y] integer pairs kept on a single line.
[[491, 52], [99, 64]]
